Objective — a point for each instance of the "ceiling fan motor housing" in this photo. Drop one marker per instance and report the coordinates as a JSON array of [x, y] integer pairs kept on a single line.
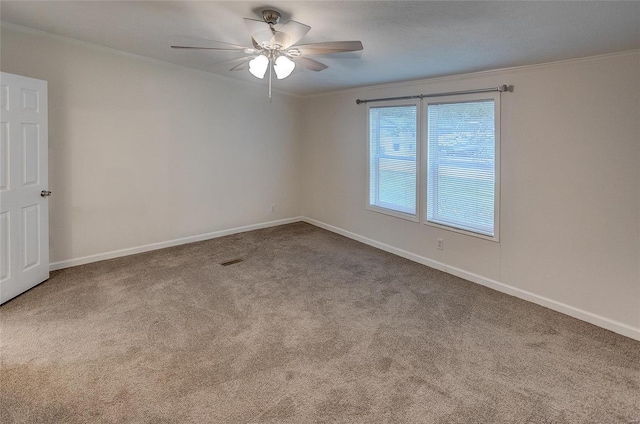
[[271, 17]]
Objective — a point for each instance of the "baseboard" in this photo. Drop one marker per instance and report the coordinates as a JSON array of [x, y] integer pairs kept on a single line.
[[609, 324], [161, 245], [382, 246]]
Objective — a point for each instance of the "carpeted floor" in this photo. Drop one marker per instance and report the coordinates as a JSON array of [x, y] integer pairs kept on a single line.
[[310, 327]]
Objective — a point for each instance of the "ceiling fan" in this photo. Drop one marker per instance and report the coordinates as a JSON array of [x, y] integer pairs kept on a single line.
[[274, 48]]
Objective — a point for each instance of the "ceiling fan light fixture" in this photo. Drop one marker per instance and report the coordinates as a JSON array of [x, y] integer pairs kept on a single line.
[[283, 67], [258, 66], [275, 48]]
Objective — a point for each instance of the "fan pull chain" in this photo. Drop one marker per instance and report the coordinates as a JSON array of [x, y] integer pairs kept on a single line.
[[270, 69]]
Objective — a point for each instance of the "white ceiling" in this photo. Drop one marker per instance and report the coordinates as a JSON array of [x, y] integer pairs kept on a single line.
[[403, 40]]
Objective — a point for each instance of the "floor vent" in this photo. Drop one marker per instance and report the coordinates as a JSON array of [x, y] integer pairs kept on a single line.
[[231, 262]]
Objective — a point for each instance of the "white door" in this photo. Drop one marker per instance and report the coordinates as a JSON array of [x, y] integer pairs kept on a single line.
[[24, 209]]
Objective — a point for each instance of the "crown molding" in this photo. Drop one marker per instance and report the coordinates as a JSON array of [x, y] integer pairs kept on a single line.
[[110, 50], [499, 71]]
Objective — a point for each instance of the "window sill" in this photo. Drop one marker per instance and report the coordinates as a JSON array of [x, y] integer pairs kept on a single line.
[[495, 238], [396, 214]]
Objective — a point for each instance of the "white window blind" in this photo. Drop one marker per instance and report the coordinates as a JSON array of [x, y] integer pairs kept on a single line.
[[461, 165], [392, 158]]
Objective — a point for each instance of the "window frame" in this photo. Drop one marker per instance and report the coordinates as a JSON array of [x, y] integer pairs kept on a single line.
[[381, 209], [424, 161]]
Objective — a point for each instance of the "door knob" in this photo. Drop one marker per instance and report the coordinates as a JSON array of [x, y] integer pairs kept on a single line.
[[45, 193]]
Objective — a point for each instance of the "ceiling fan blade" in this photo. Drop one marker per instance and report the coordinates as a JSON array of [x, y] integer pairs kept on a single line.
[[329, 47], [186, 40], [311, 64], [233, 61], [260, 31], [242, 65], [241, 49], [290, 33]]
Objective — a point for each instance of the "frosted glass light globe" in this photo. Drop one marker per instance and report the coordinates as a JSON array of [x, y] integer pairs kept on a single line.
[[283, 67], [258, 66]]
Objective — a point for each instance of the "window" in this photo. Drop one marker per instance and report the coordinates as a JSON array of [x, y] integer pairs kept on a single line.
[[454, 184], [463, 164], [393, 136]]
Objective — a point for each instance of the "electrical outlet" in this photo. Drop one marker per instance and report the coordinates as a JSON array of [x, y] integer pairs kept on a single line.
[[273, 208], [440, 244]]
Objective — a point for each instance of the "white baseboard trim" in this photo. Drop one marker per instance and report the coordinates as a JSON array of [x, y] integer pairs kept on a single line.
[[161, 245], [382, 246], [609, 324]]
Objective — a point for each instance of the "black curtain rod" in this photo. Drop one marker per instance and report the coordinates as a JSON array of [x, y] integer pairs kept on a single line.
[[500, 89]]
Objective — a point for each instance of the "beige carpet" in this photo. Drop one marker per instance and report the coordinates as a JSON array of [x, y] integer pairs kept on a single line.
[[310, 327]]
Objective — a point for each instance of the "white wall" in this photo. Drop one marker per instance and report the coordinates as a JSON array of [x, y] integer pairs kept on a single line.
[[570, 185], [142, 152]]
